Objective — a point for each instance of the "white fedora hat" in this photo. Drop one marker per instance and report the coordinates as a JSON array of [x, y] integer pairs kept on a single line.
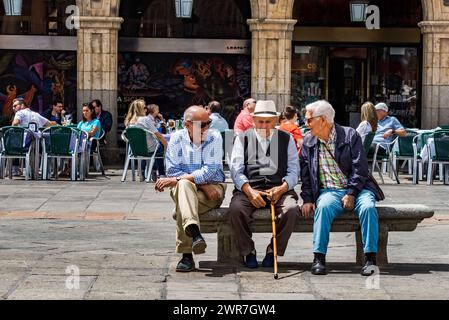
[[265, 108]]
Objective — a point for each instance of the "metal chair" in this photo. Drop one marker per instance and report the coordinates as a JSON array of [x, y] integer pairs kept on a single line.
[[384, 158], [13, 146], [60, 143], [228, 142], [83, 141], [138, 150], [95, 153], [405, 150], [441, 156], [419, 143]]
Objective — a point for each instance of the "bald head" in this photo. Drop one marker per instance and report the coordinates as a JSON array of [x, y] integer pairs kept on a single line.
[[196, 121], [196, 113], [249, 104]]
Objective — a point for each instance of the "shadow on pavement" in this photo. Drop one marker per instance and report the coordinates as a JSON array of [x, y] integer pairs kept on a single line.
[[290, 269]]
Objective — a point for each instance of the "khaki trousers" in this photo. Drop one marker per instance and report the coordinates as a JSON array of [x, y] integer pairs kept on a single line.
[[241, 214], [190, 203]]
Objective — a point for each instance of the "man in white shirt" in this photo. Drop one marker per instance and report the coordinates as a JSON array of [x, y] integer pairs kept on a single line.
[[23, 117], [264, 168]]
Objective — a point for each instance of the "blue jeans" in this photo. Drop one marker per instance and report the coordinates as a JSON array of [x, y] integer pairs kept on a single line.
[[329, 206]]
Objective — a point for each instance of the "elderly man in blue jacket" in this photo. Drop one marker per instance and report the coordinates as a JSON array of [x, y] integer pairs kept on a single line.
[[334, 173]]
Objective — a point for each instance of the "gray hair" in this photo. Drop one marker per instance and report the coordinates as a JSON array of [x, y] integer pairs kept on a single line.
[[322, 108]]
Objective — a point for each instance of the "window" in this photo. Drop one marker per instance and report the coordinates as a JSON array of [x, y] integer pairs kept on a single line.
[[394, 80], [35, 17], [210, 19], [308, 74]]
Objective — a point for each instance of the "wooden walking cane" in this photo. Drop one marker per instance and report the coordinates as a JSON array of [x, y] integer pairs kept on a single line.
[[273, 225]]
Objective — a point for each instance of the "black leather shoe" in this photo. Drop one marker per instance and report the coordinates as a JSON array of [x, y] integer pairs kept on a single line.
[[199, 245], [319, 264], [251, 261], [186, 264], [370, 261]]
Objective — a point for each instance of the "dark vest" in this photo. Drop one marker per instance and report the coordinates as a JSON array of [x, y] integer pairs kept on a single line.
[[265, 170]]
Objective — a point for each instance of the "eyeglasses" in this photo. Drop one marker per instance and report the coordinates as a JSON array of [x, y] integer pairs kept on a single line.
[[264, 121], [203, 124], [308, 120]]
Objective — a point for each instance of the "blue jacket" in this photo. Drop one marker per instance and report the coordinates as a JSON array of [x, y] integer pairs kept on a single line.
[[350, 157]]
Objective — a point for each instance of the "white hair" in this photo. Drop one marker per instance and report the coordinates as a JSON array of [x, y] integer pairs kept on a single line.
[[322, 108]]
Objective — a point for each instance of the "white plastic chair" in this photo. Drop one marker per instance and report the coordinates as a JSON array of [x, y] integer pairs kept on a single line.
[[137, 150]]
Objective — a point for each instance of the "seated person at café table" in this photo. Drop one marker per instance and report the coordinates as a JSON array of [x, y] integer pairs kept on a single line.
[[387, 129], [55, 112], [196, 179], [136, 118], [25, 115], [90, 124]]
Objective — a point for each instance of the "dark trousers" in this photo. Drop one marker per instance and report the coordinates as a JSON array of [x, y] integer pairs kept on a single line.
[[241, 215]]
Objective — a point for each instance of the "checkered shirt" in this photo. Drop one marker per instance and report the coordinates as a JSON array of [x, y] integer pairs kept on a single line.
[[331, 177], [204, 162]]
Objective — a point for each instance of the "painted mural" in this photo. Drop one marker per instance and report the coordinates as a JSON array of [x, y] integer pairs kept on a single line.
[[38, 77], [176, 81]]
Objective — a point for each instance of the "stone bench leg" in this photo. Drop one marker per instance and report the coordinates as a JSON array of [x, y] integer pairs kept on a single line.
[[382, 257], [227, 250]]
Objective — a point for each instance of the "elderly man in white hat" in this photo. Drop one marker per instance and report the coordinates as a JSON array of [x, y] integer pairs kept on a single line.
[[264, 168], [387, 127]]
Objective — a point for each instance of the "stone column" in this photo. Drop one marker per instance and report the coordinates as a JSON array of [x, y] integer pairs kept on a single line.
[[435, 87], [271, 59], [97, 70]]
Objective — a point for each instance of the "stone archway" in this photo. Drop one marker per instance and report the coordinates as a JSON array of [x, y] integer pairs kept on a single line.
[[435, 85], [271, 26], [272, 31], [99, 8], [97, 60]]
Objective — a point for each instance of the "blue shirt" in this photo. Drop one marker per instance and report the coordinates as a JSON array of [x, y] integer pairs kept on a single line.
[[204, 162], [88, 126], [218, 122], [384, 125], [238, 162]]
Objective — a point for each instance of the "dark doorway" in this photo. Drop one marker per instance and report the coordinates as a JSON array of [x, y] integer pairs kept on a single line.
[[347, 83]]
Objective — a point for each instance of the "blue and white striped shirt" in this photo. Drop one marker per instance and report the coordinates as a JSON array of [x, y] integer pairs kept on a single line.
[[204, 162]]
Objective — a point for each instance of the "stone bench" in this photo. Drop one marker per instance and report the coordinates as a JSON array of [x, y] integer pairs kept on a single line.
[[391, 218]]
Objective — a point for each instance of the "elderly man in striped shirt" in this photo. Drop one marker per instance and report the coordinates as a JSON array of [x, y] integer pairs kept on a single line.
[[334, 173], [195, 176]]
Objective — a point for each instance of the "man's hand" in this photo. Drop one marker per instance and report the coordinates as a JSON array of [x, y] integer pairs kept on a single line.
[[160, 116], [210, 191], [163, 183], [348, 202], [254, 196], [307, 209], [388, 133], [274, 194]]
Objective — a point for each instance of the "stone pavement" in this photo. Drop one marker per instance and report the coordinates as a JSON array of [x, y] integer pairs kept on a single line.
[[120, 237]]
